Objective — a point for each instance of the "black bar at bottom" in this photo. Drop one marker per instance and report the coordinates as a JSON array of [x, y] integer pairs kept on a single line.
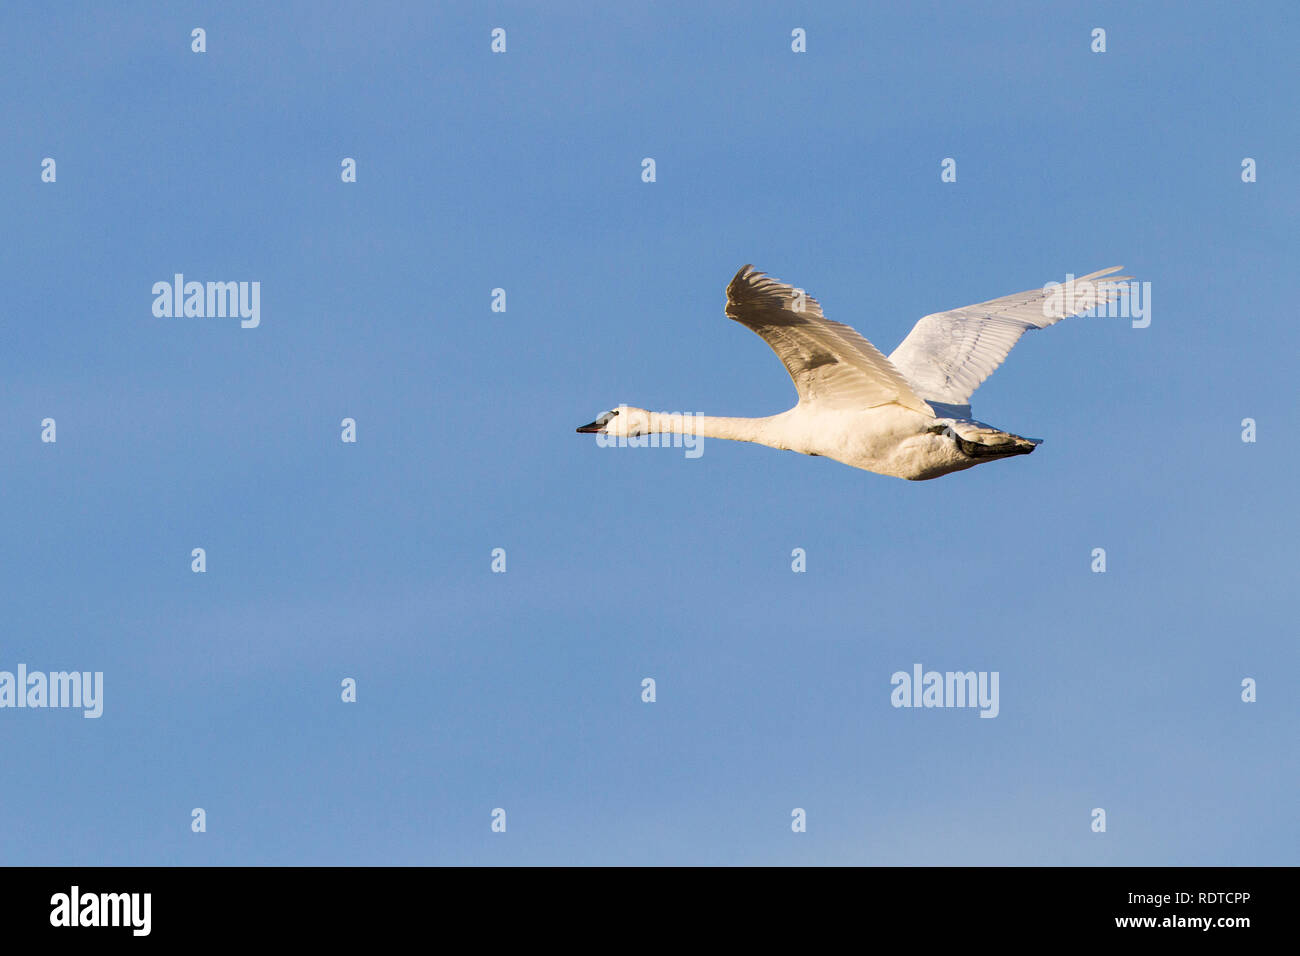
[[337, 905]]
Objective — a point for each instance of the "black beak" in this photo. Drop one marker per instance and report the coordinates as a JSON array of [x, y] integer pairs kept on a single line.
[[593, 428]]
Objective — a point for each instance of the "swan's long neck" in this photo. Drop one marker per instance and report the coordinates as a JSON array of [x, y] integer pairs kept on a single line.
[[709, 426]]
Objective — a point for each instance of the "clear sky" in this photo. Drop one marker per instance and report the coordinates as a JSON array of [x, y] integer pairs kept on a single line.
[[477, 690]]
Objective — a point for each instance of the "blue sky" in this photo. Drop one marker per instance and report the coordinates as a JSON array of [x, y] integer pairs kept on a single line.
[[521, 690]]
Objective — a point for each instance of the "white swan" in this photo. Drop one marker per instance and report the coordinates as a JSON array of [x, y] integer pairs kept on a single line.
[[906, 415]]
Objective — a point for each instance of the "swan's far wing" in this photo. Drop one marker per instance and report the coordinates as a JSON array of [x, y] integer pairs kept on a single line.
[[947, 355], [831, 364]]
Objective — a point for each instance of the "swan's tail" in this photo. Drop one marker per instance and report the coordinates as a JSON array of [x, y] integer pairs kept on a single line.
[[979, 441]]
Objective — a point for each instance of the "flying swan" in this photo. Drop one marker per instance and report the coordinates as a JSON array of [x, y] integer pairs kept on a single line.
[[908, 415]]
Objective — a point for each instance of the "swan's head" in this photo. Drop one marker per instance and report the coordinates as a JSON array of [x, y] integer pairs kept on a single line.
[[624, 420]]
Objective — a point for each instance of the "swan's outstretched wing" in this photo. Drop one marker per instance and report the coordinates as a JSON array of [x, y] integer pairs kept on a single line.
[[947, 355], [831, 364]]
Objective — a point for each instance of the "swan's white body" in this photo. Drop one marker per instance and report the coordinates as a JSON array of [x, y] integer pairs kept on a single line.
[[906, 415]]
